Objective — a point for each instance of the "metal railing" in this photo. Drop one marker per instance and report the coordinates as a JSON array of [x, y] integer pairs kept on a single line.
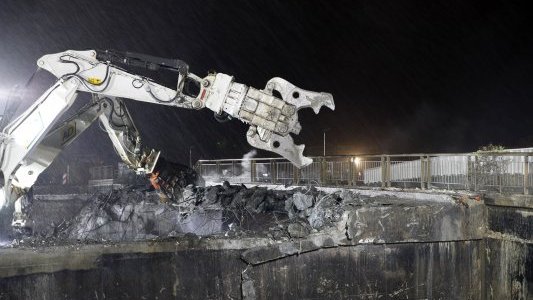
[[103, 172], [502, 172]]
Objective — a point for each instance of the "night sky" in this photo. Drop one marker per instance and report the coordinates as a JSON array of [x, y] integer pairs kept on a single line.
[[407, 76]]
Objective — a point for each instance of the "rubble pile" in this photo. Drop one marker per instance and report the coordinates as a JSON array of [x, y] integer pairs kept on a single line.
[[224, 210]]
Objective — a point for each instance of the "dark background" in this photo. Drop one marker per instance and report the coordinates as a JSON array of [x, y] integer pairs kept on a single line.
[[407, 76]]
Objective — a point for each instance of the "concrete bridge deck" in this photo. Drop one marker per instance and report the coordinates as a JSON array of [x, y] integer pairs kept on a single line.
[[386, 245]]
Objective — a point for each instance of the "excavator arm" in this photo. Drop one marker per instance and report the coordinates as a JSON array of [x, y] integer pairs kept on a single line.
[[30, 143], [271, 119]]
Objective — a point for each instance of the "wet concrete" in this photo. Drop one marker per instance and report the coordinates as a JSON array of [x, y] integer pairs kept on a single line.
[[509, 247], [513, 221], [382, 246], [414, 270], [508, 269], [445, 270]]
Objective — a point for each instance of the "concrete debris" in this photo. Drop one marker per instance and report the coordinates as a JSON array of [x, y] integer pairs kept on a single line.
[[297, 230], [327, 211], [302, 201], [233, 211], [225, 210]]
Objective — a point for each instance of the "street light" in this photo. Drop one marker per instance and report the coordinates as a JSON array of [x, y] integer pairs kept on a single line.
[[324, 131]]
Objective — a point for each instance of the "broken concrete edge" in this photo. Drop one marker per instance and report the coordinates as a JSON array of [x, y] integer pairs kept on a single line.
[[61, 197], [125, 215], [264, 254], [433, 195], [342, 235], [84, 256], [24, 261], [519, 201]]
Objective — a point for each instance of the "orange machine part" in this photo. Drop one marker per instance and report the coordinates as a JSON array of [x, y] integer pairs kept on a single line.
[[154, 180]]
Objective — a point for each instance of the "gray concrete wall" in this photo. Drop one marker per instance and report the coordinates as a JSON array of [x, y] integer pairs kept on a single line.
[[447, 270], [509, 244], [384, 250], [509, 269], [443, 270]]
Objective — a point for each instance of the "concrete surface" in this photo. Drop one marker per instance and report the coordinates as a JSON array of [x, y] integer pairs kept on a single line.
[[381, 246]]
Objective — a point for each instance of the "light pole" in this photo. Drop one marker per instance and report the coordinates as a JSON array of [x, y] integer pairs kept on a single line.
[[324, 143], [324, 139]]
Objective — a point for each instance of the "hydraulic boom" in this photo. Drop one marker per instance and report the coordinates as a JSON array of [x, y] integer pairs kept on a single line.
[[30, 143]]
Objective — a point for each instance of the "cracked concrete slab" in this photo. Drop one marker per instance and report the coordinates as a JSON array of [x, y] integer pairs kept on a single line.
[[370, 243]]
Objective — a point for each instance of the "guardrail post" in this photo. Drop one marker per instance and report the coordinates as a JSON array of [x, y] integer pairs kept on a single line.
[[476, 168], [323, 171], [252, 171], [428, 172], [500, 173], [422, 172], [356, 168], [526, 175], [468, 176], [218, 168], [273, 172], [351, 163], [388, 170], [232, 168], [383, 172], [295, 174], [198, 168]]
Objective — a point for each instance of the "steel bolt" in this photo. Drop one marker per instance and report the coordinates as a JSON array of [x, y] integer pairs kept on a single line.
[[197, 104], [251, 132], [289, 110], [282, 128]]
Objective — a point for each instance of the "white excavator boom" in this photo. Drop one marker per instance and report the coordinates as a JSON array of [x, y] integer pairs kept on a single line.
[[29, 144]]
